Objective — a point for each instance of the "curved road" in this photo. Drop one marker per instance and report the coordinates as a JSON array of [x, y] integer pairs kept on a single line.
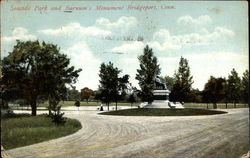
[[101, 136]]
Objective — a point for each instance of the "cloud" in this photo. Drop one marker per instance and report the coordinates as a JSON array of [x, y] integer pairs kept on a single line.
[[122, 23], [201, 20], [133, 47], [164, 41], [19, 33], [74, 29], [204, 65], [102, 27], [82, 57], [224, 31]]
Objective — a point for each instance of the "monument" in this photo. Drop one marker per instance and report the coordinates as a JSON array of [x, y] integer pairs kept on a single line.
[[161, 97]]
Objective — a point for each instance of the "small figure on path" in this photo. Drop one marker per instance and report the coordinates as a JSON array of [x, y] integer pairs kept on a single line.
[[101, 108], [77, 103]]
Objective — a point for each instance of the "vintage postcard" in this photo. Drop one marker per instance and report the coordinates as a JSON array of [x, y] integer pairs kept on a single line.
[[157, 63]]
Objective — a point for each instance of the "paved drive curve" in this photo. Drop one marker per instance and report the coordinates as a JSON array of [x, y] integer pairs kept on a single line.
[[147, 137]]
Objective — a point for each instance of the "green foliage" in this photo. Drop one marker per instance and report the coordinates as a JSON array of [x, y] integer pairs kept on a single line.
[[195, 95], [108, 82], [73, 94], [234, 86], [132, 99], [214, 90], [169, 81], [149, 69], [20, 130], [37, 69], [111, 88], [245, 86], [183, 82], [87, 93], [55, 110]]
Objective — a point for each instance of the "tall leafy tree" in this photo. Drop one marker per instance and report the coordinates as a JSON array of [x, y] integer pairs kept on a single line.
[[123, 85], [245, 86], [183, 82], [214, 90], [109, 83], [87, 93], [234, 86], [38, 69], [149, 69]]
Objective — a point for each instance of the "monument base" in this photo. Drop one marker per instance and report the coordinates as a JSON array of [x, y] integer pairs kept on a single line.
[[164, 105], [161, 101]]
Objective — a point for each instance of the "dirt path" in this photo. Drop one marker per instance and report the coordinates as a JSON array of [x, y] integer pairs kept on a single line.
[[224, 135]]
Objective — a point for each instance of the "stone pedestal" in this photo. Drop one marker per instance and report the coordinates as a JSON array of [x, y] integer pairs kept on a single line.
[[161, 100]]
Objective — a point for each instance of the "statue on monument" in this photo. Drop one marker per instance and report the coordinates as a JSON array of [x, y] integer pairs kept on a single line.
[[159, 84]]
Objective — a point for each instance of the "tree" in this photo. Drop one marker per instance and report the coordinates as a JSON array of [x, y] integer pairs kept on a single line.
[[245, 86], [108, 83], [195, 95], [234, 86], [149, 69], [214, 90], [169, 81], [73, 94], [123, 83], [112, 87], [227, 92], [183, 82], [97, 95], [38, 69], [132, 99], [86, 94]]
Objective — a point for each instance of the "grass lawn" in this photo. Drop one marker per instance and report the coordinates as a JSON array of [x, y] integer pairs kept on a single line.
[[84, 103], [22, 129], [210, 106], [162, 112]]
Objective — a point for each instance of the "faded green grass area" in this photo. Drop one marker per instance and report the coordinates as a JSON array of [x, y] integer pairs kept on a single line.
[[163, 112], [210, 106], [22, 130], [84, 103]]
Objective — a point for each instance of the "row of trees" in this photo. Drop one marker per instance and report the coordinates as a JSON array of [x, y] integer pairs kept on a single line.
[[113, 88], [231, 89], [35, 71]]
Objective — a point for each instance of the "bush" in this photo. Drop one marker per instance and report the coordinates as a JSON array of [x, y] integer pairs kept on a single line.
[[57, 116], [55, 112]]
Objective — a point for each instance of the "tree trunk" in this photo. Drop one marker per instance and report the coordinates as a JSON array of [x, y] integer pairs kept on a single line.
[[116, 106], [214, 105], [226, 105], [50, 113], [234, 104], [108, 106], [33, 107], [207, 105], [131, 105], [5, 104]]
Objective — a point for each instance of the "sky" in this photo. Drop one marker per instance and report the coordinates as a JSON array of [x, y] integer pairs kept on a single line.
[[211, 35]]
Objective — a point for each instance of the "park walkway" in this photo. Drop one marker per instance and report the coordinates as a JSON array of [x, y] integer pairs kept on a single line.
[[146, 137]]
